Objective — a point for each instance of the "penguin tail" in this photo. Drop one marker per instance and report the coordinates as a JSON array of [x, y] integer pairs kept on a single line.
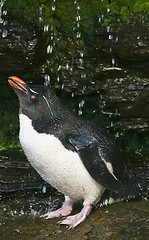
[[134, 188]]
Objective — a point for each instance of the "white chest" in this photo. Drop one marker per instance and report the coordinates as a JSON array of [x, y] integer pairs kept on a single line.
[[60, 167]]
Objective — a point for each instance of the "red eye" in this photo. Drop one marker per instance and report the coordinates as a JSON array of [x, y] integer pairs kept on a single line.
[[32, 97]]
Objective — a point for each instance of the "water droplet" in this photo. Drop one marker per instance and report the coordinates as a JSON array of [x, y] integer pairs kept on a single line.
[[78, 34], [83, 89], [17, 230], [21, 212], [81, 61], [67, 66], [40, 9], [116, 40], [5, 23], [78, 18], [47, 80], [108, 29], [49, 49], [44, 189], [83, 75], [110, 36], [113, 61], [1, 6], [81, 104], [99, 19], [4, 33], [33, 213], [40, 19], [80, 112], [4, 12], [81, 54], [53, 8], [46, 28], [59, 68], [117, 135], [112, 124], [78, 24]]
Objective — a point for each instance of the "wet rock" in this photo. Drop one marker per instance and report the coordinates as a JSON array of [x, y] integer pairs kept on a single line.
[[123, 220], [126, 98], [17, 174], [128, 44], [19, 47]]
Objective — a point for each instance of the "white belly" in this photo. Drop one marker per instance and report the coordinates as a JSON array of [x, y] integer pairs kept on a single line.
[[61, 168]]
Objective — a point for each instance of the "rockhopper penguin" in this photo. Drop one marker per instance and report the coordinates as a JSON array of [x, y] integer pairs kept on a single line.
[[73, 155]]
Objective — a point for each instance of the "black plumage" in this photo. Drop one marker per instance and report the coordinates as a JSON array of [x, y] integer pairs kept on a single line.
[[98, 152]]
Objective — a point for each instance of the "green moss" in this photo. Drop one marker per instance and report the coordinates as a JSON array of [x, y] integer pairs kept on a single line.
[[63, 17], [9, 118], [66, 14], [107, 22], [141, 6], [9, 131], [125, 13], [114, 8]]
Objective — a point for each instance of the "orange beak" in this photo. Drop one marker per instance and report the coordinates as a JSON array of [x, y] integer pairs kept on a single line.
[[17, 83]]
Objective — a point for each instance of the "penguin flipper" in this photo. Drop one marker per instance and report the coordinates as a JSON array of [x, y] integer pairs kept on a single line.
[[101, 171]]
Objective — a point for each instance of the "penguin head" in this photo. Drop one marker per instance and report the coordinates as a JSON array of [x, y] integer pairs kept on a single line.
[[35, 101]]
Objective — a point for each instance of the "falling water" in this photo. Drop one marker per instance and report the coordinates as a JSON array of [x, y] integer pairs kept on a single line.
[[78, 18], [81, 105], [49, 29], [1, 10], [40, 14], [47, 79], [2, 21]]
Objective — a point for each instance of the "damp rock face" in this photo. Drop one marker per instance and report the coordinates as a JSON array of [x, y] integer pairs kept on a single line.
[[16, 174]]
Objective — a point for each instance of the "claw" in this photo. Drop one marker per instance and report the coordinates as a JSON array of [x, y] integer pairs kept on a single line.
[[65, 210], [74, 220]]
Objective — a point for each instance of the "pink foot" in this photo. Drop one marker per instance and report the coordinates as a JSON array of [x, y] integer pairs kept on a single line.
[[74, 220], [63, 211]]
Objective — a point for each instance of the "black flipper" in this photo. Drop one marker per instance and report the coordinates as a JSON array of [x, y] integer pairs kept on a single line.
[[100, 170]]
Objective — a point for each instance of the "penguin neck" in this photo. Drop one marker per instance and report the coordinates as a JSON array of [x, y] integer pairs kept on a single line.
[[47, 122]]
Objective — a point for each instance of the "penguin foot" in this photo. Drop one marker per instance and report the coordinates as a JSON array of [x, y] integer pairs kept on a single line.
[[65, 210], [74, 220]]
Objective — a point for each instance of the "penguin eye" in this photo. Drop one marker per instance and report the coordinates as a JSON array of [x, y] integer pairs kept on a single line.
[[33, 97]]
